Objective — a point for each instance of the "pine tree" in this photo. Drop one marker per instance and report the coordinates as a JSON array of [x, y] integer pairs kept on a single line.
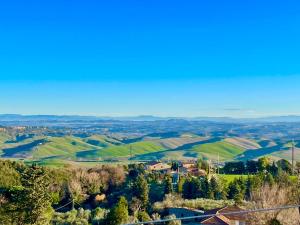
[[119, 213], [205, 191], [180, 184], [168, 185], [143, 216], [34, 198], [141, 190], [269, 179], [214, 188]]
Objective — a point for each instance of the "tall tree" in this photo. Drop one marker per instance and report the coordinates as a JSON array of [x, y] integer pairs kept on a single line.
[[29, 203], [168, 185], [141, 190], [119, 213]]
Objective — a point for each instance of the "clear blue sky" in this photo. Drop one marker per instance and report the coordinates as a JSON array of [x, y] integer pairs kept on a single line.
[[168, 58]]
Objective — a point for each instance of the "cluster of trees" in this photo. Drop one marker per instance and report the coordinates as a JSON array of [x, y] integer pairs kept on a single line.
[[261, 165], [116, 194]]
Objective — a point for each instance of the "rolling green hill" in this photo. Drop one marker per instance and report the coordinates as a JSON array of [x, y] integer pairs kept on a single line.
[[157, 146], [225, 150], [126, 150], [101, 141], [207, 150], [62, 146]]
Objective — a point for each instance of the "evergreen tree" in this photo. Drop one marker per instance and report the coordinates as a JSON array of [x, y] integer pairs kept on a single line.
[[180, 185], [205, 191], [214, 188], [174, 166], [191, 188], [237, 190], [168, 185], [269, 179], [141, 190], [143, 216], [119, 213], [252, 166], [31, 201]]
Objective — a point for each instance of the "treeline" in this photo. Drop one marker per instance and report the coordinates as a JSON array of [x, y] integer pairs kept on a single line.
[[263, 164], [113, 195]]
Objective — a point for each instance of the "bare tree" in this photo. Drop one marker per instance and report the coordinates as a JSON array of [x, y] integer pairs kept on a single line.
[[270, 197]]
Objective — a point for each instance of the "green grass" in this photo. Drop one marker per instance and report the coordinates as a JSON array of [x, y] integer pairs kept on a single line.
[[226, 151], [62, 146], [136, 148], [231, 177], [101, 141]]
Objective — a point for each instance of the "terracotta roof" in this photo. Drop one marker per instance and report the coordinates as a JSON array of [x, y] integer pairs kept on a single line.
[[228, 209], [216, 220], [223, 219]]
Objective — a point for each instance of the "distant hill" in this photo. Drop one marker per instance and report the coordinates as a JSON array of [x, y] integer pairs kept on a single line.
[[60, 118], [150, 140]]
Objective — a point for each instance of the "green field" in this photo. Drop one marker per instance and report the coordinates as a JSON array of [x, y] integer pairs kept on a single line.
[[224, 150], [62, 146], [137, 148], [231, 177]]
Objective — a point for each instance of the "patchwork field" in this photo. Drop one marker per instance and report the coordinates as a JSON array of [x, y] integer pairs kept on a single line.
[[49, 149]]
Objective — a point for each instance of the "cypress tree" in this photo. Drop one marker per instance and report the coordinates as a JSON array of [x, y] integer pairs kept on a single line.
[[119, 213]]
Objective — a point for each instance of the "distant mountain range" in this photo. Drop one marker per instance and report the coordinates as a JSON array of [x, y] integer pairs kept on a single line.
[[68, 118]]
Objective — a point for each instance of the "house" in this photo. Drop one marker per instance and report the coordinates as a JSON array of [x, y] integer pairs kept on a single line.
[[157, 166], [193, 171], [219, 219], [180, 212], [188, 165]]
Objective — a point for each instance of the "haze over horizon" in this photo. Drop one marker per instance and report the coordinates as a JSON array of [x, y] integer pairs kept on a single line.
[[218, 59]]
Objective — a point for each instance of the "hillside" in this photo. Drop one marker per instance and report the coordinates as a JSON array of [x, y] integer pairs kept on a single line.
[[125, 150], [59, 144], [206, 150]]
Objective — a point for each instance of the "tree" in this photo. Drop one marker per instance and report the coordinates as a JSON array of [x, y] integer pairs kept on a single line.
[[205, 191], [174, 166], [274, 222], [98, 215], [214, 188], [263, 163], [119, 213], [269, 179], [285, 166], [251, 166], [141, 190], [168, 185], [234, 168], [29, 203], [237, 190], [191, 188], [172, 222], [143, 216], [269, 197]]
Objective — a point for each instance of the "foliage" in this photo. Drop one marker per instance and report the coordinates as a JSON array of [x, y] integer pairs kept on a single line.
[[118, 214], [172, 200]]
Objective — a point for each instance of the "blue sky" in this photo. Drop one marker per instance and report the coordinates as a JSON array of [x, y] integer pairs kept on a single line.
[[168, 58]]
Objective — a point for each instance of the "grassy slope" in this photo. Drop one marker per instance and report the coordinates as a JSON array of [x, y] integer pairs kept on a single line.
[[62, 146], [225, 150], [245, 143], [136, 148], [101, 141]]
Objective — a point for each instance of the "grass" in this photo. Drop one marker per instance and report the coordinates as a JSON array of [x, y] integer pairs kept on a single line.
[[231, 177], [101, 141], [62, 146], [137, 148], [225, 150]]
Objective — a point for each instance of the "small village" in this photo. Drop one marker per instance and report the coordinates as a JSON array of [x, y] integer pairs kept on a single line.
[[208, 217]]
